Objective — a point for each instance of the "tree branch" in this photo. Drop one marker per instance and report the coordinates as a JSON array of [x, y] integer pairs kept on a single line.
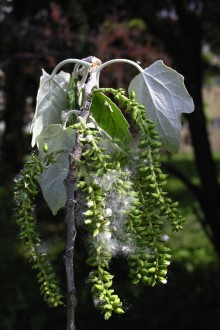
[[70, 184], [195, 190]]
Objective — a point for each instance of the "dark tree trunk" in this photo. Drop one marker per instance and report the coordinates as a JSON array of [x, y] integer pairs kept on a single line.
[[210, 201], [188, 60]]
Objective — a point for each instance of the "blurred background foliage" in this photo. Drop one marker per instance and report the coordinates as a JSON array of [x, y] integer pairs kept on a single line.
[[185, 35]]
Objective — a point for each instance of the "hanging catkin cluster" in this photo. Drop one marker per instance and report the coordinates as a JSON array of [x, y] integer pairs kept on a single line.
[[107, 175], [135, 231], [26, 189], [126, 206]]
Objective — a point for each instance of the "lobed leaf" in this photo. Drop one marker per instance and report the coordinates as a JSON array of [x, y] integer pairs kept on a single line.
[[51, 100], [52, 179], [51, 183], [162, 91], [56, 137]]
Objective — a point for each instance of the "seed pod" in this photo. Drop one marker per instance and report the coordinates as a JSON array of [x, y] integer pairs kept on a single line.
[[144, 279], [162, 273], [143, 169], [95, 232], [76, 125], [98, 287], [108, 315], [45, 148], [119, 310], [152, 126], [134, 115], [133, 271], [108, 284], [156, 144], [148, 177], [137, 222], [166, 256], [154, 194], [174, 205], [88, 213], [162, 279], [155, 151], [163, 183], [163, 249], [38, 168], [144, 271], [117, 166], [108, 306], [144, 154], [132, 95], [139, 276], [135, 281], [107, 277], [152, 270]]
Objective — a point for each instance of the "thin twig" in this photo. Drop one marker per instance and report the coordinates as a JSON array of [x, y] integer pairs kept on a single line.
[[70, 184]]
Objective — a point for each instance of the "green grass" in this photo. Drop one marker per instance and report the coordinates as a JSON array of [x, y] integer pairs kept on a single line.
[[191, 246]]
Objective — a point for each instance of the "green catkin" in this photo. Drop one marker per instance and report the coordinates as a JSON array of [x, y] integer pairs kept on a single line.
[[26, 189], [150, 168], [149, 263], [95, 163]]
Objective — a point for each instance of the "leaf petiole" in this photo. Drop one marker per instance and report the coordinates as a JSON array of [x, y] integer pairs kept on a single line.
[[120, 60]]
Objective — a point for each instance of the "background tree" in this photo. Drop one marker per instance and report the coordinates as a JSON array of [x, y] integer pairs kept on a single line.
[[39, 34]]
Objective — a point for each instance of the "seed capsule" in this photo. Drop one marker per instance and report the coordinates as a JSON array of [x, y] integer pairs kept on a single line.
[[132, 95], [143, 144], [152, 270], [144, 271], [135, 281], [45, 147], [119, 310], [134, 115], [108, 315], [98, 287], [95, 232]]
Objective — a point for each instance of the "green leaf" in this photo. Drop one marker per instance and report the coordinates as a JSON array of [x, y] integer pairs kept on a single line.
[[51, 100], [51, 183], [161, 90], [56, 138], [52, 178], [109, 118]]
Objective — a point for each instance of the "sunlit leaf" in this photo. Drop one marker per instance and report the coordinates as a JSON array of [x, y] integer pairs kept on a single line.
[[161, 90], [110, 118], [51, 100]]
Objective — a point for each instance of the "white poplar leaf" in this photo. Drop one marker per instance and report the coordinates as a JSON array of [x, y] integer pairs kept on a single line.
[[51, 100], [56, 137], [51, 183], [162, 91], [52, 178]]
